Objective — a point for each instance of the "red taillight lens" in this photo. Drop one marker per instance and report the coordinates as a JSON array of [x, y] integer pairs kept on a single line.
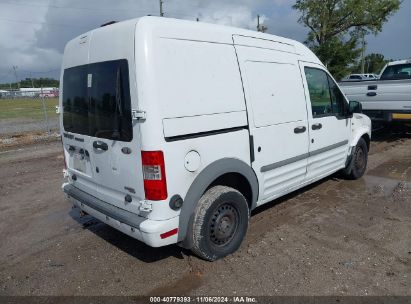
[[154, 174]]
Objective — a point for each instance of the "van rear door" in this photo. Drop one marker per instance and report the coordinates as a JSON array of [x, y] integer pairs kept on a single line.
[[99, 114]]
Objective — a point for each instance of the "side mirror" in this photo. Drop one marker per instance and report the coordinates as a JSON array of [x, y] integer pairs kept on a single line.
[[354, 107]]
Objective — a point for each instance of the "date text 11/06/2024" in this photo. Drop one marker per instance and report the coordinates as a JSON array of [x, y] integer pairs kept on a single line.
[[205, 299]]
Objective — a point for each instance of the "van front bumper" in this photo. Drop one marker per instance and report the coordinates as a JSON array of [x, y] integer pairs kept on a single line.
[[143, 229]]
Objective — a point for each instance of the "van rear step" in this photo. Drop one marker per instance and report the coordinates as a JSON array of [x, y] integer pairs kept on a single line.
[[112, 211]]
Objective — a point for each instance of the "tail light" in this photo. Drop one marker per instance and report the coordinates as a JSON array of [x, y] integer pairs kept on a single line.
[[154, 174]]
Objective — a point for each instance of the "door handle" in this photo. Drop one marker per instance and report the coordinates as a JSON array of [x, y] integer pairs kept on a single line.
[[316, 126], [300, 130], [372, 94], [100, 145]]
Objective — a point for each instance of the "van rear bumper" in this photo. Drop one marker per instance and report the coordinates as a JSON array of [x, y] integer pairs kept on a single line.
[[138, 227]]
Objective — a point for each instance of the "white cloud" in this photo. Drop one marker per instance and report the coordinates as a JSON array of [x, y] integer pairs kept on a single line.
[[36, 42], [241, 16], [17, 40]]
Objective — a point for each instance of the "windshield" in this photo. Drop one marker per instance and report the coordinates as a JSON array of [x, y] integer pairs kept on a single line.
[[96, 100], [398, 71]]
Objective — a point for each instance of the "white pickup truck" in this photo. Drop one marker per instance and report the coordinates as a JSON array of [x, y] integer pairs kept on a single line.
[[388, 99]]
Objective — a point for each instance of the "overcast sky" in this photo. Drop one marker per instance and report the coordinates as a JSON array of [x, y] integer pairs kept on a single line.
[[33, 33]]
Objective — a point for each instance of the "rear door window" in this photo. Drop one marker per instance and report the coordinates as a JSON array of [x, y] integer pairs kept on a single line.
[[96, 100]]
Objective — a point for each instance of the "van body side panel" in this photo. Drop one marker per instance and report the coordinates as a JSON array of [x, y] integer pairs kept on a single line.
[[188, 87], [278, 118], [180, 78], [211, 149], [192, 125], [197, 78]]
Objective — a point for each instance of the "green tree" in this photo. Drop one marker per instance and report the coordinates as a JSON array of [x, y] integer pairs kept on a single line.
[[338, 55], [29, 82], [336, 26], [373, 64]]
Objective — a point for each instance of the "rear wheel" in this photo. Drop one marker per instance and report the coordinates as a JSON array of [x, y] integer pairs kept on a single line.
[[356, 168], [220, 223]]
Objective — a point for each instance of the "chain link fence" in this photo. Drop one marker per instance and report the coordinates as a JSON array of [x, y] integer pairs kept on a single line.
[[28, 110]]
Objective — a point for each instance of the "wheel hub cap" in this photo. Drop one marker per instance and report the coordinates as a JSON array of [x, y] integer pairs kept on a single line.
[[359, 159], [224, 224]]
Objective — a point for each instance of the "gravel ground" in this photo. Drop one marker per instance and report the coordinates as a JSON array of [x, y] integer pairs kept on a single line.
[[335, 237], [11, 126]]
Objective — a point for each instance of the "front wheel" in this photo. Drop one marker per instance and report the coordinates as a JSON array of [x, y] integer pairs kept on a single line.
[[358, 164], [220, 223]]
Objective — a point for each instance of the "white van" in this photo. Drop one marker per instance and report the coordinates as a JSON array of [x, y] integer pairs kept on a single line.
[[173, 131]]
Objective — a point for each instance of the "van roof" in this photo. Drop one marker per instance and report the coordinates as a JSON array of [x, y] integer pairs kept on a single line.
[[200, 31]]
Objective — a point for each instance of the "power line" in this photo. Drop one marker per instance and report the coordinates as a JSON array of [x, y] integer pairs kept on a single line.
[[176, 13], [40, 72], [46, 23], [75, 8]]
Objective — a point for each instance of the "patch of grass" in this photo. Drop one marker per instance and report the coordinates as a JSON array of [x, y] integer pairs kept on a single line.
[[27, 108]]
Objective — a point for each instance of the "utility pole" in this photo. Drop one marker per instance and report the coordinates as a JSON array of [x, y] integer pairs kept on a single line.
[[15, 74], [362, 52], [46, 118], [260, 27], [31, 78], [161, 9]]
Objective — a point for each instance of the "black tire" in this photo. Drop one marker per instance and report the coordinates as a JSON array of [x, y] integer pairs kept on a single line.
[[358, 164], [220, 223]]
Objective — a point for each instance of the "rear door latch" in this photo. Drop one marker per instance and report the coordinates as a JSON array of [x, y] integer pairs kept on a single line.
[[138, 115]]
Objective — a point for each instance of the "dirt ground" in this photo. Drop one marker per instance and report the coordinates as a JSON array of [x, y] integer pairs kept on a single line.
[[18, 125], [335, 237]]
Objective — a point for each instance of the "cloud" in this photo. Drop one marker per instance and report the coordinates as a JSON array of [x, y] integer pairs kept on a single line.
[[33, 33], [286, 24], [18, 43], [394, 42]]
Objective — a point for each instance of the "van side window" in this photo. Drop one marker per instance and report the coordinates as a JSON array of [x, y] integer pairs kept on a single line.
[[319, 89], [339, 104], [326, 98]]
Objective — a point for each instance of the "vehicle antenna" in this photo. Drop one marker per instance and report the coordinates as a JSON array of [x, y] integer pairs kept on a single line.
[[161, 8]]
